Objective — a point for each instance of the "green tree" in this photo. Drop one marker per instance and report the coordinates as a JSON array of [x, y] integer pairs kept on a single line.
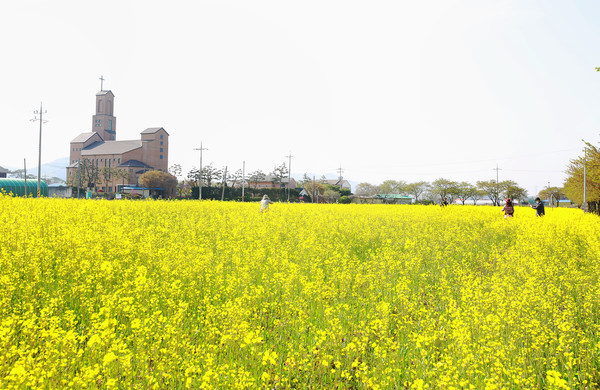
[[107, 175], [553, 194], [510, 189], [176, 170], [491, 189], [210, 174], [314, 188], [392, 187], [90, 174], [331, 196], [478, 194], [573, 185], [366, 189], [278, 174], [235, 178], [444, 188], [184, 188], [340, 190], [305, 179], [257, 176], [465, 191], [122, 174], [159, 179], [417, 189], [344, 199], [194, 176]]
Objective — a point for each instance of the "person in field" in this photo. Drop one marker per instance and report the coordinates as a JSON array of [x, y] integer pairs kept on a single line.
[[509, 208], [444, 202], [539, 207], [264, 204]]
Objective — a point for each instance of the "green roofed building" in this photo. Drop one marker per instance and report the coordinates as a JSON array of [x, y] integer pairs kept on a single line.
[[383, 199], [394, 198], [16, 187]]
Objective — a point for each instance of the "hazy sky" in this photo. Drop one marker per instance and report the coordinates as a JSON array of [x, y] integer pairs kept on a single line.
[[405, 90]]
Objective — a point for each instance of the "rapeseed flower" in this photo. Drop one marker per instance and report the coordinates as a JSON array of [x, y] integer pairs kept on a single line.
[[164, 294]]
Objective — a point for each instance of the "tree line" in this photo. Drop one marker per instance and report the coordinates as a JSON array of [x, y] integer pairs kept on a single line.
[[224, 184], [213, 177], [586, 166], [426, 192]]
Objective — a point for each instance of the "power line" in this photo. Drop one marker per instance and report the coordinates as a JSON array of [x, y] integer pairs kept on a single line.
[[532, 171], [420, 164]]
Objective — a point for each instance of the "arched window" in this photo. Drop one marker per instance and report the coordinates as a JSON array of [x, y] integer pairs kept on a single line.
[[99, 106], [109, 107]]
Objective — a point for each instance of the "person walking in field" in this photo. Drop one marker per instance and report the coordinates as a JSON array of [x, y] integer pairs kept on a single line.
[[444, 202], [539, 207], [509, 208], [264, 204]]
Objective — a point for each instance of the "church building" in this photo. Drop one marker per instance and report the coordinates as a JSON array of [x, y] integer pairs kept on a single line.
[[112, 164]]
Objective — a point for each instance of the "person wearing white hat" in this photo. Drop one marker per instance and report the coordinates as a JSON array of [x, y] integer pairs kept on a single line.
[[264, 204]]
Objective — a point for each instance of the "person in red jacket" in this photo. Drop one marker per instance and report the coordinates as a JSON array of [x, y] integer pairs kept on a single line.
[[509, 208]]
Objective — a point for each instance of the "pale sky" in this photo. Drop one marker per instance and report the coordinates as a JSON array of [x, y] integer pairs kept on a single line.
[[403, 90]]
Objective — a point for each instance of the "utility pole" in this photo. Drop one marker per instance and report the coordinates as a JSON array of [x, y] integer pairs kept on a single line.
[[289, 175], [497, 183], [584, 179], [224, 184], [243, 178], [78, 175], [200, 178], [41, 112], [25, 173], [496, 169]]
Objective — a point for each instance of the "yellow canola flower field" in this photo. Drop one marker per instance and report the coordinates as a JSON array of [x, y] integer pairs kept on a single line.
[[175, 294]]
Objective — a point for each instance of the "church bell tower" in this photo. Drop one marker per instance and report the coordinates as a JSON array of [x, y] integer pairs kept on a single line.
[[104, 122]]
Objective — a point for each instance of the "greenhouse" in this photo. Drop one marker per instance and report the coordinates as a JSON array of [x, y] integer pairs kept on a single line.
[[17, 187]]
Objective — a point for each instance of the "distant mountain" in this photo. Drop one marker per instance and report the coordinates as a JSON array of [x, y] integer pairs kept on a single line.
[[56, 168]]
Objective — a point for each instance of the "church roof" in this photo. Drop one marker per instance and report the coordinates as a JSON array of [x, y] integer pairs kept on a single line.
[[111, 147], [337, 182], [102, 93], [83, 137], [152, 130], [134, 164]]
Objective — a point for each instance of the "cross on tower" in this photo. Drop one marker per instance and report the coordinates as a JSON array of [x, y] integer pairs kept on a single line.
[[101, 83], [340, 171]]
